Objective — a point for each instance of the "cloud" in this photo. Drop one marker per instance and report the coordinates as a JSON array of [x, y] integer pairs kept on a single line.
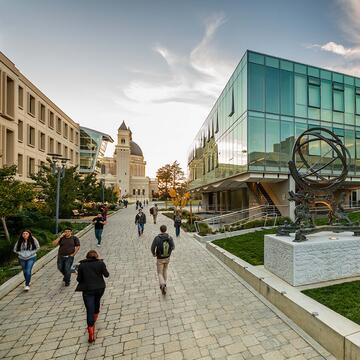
[[339, 49], [349, 21], [172, 103]]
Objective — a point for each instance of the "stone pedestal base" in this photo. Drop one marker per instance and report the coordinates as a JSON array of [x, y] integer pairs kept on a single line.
[[324, 256]]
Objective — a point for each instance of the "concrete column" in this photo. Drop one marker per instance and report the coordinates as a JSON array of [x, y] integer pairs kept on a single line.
[[291, 203]]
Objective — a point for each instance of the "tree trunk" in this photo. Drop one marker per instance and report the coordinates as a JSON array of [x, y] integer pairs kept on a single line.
[[7, 235]]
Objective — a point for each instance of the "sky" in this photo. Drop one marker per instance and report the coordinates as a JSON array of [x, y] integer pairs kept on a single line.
[[160, 65]]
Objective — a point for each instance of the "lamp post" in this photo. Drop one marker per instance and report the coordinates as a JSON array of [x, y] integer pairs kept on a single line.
[[58, 168]]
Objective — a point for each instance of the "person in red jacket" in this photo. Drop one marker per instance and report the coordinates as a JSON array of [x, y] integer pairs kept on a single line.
[[91, 273]]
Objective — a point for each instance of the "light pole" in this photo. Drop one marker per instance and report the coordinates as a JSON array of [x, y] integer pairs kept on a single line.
[[58, 168]]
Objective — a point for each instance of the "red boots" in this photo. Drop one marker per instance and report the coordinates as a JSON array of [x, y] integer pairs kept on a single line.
[[91, 331]]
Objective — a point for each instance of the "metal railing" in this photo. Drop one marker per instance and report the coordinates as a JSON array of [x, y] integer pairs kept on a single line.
[[242, 217]]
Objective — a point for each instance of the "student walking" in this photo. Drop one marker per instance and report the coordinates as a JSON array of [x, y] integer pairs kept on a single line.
[[26, 248], [69, 245], [140, 221], [154, 212], [177, 222], [99, 223], [161, 247], [91, 273]]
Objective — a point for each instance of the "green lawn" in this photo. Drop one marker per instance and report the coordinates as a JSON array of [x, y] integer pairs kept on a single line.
[[249, 247], [342, 298]]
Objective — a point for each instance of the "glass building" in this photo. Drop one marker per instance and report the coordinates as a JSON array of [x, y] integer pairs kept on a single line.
[[239, 156], [92, 149]]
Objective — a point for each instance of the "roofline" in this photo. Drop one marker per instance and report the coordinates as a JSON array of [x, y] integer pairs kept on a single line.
[[106, 137]]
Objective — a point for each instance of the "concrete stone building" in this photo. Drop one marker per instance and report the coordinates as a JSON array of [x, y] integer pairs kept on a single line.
[[127, 168], [31, 125]]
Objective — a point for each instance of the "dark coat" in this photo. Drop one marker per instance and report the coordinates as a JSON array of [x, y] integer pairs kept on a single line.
[[140, 219], [91, 274]]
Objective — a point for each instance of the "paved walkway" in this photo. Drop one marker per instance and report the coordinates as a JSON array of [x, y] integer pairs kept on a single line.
[[207, 314]]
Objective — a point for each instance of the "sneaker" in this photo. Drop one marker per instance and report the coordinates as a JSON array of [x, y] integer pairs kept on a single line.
[[27, 288], [98, 245], [163, 289], [67, 284]]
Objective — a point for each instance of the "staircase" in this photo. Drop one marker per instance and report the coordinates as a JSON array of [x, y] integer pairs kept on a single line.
[[264, 198]]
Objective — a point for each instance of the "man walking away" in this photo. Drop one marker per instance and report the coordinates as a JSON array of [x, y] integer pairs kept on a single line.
[[162, 246], [154, 212], [140, 221], [69, 245], [99, 223]]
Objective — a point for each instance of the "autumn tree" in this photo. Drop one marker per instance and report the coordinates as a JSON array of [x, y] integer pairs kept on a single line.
[[170, 176]]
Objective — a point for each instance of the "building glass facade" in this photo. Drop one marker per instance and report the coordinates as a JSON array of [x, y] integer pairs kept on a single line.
[[92, 149], [265, 105]]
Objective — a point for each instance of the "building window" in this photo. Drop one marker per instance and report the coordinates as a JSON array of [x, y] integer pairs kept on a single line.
[[357, 100], [20, 97], [66, 130], [314, 92], [51, 145], [51, 120], [9, 97], [338, 97], [20, 164], [217, 123], [123, 141], [20, 130], [71, 134], [58, 125], [138, 192], [134, 192], [76, 157], [31, 105], [65, 151], [58, 148], [72, 156], [31, 167], [232, 103], [31, 136], [42, 112], [76, 138], [143, 191], [41, 141]]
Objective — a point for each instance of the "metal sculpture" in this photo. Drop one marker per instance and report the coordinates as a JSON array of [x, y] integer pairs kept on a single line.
[[314, 187]]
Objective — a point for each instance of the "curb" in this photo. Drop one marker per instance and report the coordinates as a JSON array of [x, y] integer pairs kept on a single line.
[[337, 334], [18, 279]]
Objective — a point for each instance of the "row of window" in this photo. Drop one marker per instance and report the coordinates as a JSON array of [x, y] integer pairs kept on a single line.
[[139, 192], [60, 126]]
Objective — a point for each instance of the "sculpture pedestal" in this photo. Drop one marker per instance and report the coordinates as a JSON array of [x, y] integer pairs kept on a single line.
[[324, 256]]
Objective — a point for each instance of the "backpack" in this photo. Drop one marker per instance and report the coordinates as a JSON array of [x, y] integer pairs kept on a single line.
[[165, 248], [152, 211]]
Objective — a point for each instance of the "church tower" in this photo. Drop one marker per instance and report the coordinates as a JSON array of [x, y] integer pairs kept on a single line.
[[122, 157]]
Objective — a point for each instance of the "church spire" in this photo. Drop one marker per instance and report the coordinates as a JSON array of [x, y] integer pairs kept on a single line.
[[123, 126]]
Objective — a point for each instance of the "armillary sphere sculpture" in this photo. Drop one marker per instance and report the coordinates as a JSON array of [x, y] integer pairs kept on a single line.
[[308, 169]]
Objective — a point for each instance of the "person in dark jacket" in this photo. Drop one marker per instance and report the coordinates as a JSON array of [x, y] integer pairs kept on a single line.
[[162, 247], [177, 222], [140, 221], [90, 277]]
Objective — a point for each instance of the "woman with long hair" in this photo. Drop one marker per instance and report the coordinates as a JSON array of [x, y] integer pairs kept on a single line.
[[26, 248], [91, 273]]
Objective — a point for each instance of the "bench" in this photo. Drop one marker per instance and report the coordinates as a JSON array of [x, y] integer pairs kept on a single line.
[[76, 213]]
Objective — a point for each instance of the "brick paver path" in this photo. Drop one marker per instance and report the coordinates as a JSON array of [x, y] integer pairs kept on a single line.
[[207, 314]]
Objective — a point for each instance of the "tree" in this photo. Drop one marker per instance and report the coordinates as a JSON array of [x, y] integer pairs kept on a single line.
[[88, 188], [13, 194], [69, 189], [169, 176]]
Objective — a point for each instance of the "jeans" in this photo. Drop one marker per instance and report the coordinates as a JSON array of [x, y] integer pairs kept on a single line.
[[162, 266], [92, 303], [64, 264], [27, 266], [177, 230], [98, 233], [140, 228]]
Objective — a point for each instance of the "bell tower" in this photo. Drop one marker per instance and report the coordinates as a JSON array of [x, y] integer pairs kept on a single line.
[[122, 156]]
